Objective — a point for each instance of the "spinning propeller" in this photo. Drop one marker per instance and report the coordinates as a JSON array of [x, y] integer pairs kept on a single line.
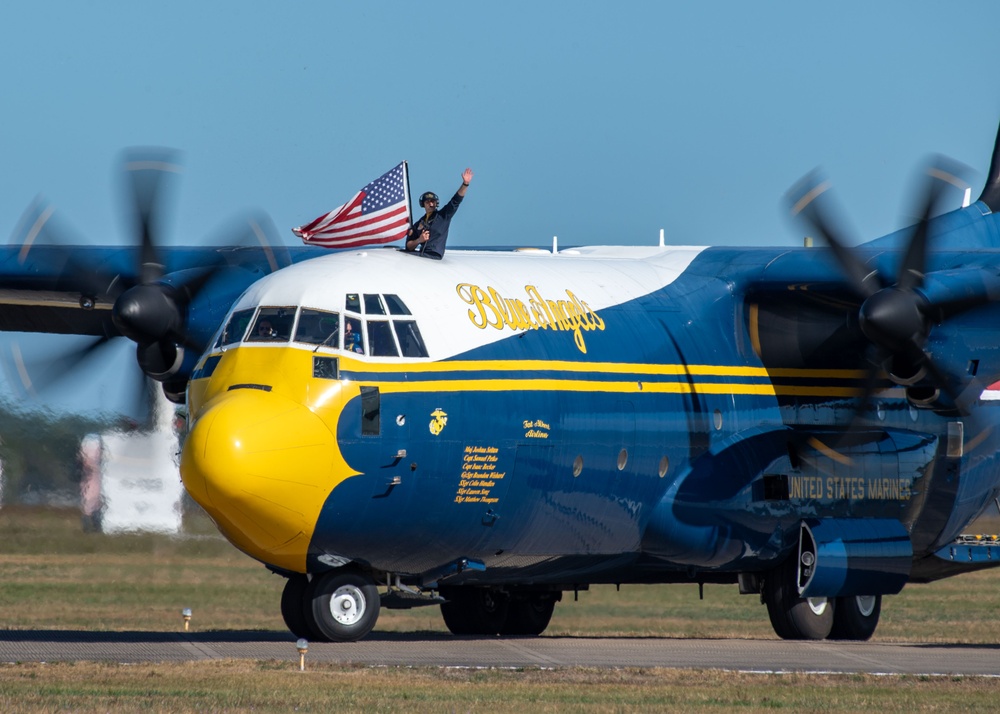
[[148, 305], [897, 313]]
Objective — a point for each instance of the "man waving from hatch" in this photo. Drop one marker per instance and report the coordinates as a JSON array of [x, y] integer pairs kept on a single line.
[[429, 233]]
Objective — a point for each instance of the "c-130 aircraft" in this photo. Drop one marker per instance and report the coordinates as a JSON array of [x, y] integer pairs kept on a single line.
[[806, 423]]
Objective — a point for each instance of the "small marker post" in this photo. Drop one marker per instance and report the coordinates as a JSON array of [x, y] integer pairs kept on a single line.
[[302, 646], [186, 614]]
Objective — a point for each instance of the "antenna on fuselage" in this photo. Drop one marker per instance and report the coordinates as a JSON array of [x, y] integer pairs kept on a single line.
[[662, 244], [555, 244]]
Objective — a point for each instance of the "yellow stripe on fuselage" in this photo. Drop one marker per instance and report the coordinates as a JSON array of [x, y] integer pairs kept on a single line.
[[568, 385], [695, 370], [288, 369]]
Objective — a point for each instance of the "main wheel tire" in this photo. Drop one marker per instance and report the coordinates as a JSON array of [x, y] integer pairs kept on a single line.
[[343, 605], [474, 611], [856, 617], [793, 617], [529, 615], [293, 607]]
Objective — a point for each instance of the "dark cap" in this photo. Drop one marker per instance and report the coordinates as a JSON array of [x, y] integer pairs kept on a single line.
[[428, 196]]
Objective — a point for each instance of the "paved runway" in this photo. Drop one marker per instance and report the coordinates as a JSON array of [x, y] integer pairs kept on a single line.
[[437, 649]]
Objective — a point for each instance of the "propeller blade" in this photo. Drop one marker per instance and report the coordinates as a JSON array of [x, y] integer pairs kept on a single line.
[[265, 235], [810, 200], [141, 398], [941, 173], [146, 171], [873, 377], [254, 231], [55, 255], [36, 375]]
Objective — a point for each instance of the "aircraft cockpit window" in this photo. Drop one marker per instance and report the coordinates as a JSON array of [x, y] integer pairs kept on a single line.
[[318, 327], [380, 339], [373, 305], [273, 324], [352, 335], [235, 328], [410, 341], [352, 302], [396, 306]]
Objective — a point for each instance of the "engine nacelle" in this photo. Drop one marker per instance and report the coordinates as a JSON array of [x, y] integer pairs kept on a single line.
[[853, 556]]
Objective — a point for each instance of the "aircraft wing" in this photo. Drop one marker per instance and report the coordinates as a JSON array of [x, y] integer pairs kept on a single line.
[[72, 289]]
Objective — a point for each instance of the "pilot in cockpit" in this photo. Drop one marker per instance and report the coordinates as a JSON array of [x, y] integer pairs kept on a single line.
[[265, 331], [352, 336]]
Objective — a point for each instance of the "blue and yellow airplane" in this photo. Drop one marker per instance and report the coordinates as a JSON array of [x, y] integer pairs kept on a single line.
[[490, 431]]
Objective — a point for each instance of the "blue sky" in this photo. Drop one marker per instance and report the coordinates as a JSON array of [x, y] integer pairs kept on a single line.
[[597, 122]]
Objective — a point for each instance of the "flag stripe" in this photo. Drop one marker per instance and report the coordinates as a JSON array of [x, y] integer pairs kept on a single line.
[[355, 243], [378, 213], [328, 218], [382, 223], [361, 220], [394, 230]]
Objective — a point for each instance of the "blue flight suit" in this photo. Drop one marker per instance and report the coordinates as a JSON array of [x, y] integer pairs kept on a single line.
[[438, 225]]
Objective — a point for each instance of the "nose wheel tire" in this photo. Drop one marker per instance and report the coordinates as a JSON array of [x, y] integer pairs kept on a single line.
[[342, 606], [856, 617], [794, 617]]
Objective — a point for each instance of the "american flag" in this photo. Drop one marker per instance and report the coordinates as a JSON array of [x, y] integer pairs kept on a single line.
[[378, 213]]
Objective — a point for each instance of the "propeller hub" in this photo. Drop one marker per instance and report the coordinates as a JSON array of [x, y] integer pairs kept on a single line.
[[894, 319], [146, 314]]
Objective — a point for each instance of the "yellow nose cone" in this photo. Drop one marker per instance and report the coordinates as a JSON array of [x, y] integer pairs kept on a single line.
[[262, 466]]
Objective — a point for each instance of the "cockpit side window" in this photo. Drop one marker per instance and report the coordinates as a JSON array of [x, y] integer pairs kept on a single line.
[[352, 302], [353, 341], [318, 327], [235, 328], [273, 324]]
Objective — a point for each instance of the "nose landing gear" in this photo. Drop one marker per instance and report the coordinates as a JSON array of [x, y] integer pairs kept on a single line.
[[340, 605]]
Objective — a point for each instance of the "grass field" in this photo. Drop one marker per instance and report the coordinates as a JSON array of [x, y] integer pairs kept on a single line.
[[55, 576]]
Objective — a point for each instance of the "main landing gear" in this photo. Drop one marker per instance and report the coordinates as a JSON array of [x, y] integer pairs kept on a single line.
[[491, 611], [797, 618]]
